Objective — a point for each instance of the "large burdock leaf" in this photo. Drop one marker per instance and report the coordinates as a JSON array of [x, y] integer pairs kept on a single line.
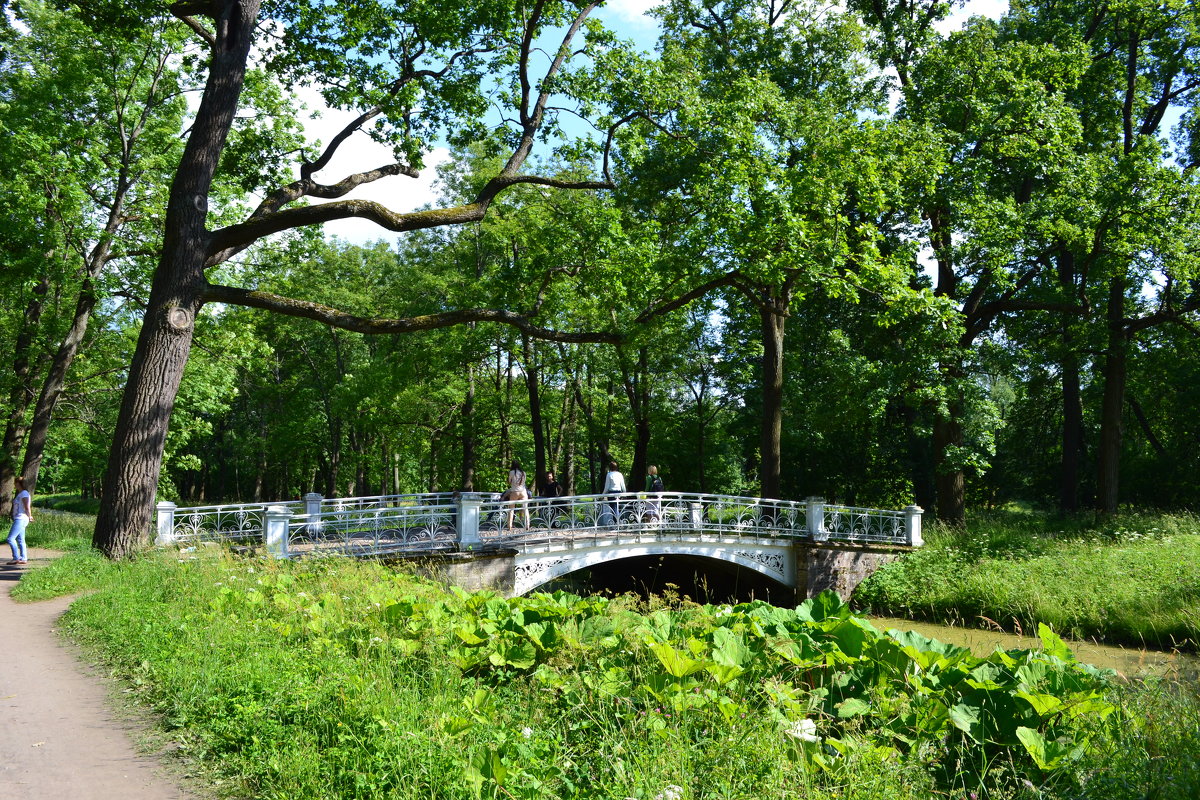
[[1047, 755], [674, 662], [966, 719], [519, 653], [730, 648], [1053, 645]]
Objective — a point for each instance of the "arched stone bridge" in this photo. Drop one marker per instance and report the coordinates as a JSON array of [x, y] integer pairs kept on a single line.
[[479, 541]]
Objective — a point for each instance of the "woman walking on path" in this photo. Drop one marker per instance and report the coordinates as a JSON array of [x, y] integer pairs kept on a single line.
[[22, 514]]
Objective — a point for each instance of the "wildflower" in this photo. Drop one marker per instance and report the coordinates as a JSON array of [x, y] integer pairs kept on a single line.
[[670, 792], [527, 732], [803, 729]]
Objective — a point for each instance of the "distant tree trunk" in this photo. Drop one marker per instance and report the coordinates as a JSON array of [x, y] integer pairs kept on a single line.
[[467, 424], [533, 388], [1115, 368], [175, 297], [770, 442], [22, 392], [635, 382], [569, 450], [1072, 434]]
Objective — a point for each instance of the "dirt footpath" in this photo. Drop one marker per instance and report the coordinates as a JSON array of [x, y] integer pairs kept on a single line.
[[58, 738]]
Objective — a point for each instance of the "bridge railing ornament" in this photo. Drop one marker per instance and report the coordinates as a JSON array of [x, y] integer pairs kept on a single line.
[[472, 521]]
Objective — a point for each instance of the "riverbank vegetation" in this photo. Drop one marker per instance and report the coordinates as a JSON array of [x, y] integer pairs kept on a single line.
[[1132, 579], [343, 679]]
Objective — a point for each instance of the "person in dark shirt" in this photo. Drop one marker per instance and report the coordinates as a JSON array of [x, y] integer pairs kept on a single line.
[[551, 489]]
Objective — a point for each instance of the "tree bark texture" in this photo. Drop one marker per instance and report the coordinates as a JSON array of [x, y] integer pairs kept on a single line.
[[773, 322], [52, 386], [135, 458], [949, 481]]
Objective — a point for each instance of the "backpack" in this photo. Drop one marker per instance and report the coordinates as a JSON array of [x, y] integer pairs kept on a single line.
[[656, 485]]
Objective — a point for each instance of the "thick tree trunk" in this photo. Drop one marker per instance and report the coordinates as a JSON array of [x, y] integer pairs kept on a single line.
[[950, 483], [135, 458], [773, 322], [1109, 456], [22, 393]]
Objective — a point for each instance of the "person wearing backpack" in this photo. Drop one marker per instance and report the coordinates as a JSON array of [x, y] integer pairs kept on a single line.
[[654, 487]]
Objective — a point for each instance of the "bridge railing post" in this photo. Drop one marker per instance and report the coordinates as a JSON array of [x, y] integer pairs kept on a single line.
[[312, 510], [815, 518], [275, 532], [165, 525], [312, 503], [912, 526], [466, 520]]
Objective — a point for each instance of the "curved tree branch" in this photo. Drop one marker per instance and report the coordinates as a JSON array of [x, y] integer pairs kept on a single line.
[[424, 322], [728, 279]]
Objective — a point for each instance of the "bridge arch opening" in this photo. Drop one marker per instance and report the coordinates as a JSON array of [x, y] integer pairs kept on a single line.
[[698, 578]]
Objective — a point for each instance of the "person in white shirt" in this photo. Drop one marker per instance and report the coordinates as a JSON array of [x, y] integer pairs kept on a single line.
[[22, 514], [614, 486]]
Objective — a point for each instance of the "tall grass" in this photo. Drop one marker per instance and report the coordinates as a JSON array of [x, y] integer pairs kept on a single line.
[[59, 530], [281, 680], [1131, 580]]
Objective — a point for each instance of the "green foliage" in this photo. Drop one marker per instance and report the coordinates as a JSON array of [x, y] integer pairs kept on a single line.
[[338, 679], [1123, 580]]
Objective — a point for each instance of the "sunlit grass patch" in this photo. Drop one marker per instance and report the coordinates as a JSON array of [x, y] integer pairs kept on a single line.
[[1131, 580]]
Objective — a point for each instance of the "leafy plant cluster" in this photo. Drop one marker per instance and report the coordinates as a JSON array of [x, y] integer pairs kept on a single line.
[[332, 679]]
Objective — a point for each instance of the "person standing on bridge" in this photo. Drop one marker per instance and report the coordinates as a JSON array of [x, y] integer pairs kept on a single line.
[[552, 490], [654, 488], [517, 491], [22, 514], [614, 487]]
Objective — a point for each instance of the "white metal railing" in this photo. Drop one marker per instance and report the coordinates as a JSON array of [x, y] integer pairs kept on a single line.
[[868, 525], [374, 529], [664, 512], [224, 523], [467, 521]]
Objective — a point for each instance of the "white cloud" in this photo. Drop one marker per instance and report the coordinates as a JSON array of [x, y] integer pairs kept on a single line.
[[359, 154], [972, 8], [632, 11]]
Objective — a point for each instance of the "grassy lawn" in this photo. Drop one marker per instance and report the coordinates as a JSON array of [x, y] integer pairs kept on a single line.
[[1134, 580], [59, 530], [337, 679]]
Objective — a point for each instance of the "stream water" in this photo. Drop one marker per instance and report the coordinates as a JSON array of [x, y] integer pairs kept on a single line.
[[1129, 662]]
